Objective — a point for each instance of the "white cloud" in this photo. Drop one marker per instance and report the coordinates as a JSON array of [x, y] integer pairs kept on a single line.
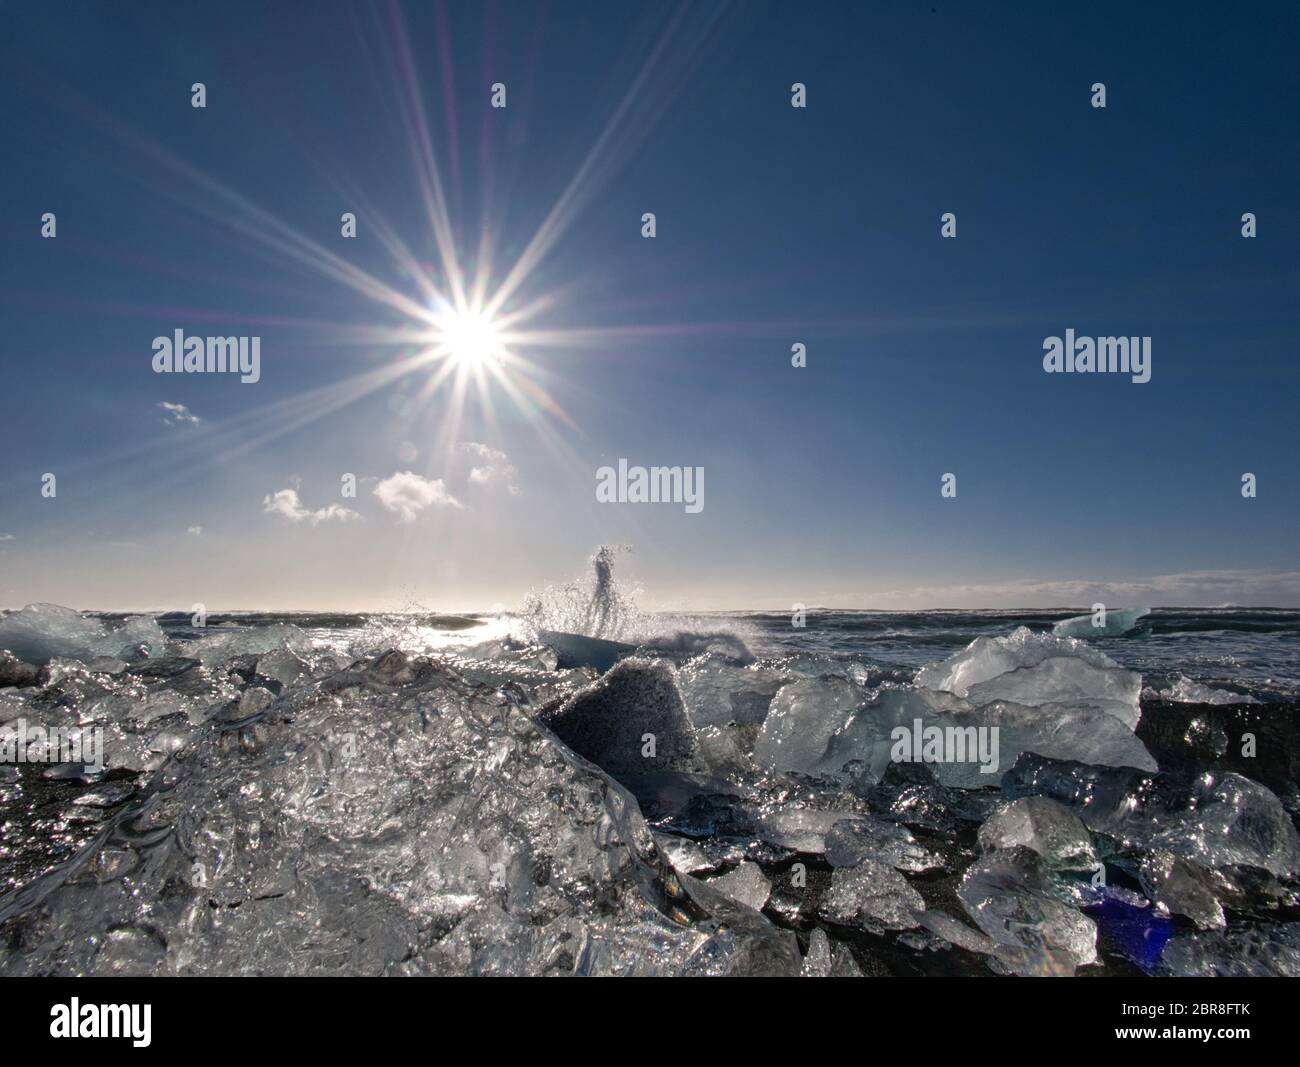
[[194, 531], [407, 494], [175, 414], [6, 537], [492, 467], [286, 504]]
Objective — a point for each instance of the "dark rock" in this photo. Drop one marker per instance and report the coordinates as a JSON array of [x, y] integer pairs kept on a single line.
[[608, 722], [14, 671]]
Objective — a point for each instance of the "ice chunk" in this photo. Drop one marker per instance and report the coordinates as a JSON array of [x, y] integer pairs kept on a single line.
[[40, 632], [717, 691], [853, 840], [1011, 896], [685, 855], [956, 932], [217, 648], [1037, 669], [161, 668], [825, 960], [431, 830], [910, 795], [872, 896], [1230, 820], [725, 749], [745, 884], [1069, 685], [799, 829], [843, 965], [745, 943], [1216, 820], [1116, 623], [975, 738], [255, 699], [12, 705], [1040, 824], [387, 671], [528, 685], [133, 707], [106, 665], [139, 746], [508, 650], [817, 964], [1186, 691], [1184, 888], [281, 665], [1269, 950], [804, 716]]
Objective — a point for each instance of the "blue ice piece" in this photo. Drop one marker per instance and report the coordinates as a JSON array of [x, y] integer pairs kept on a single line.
[[1137, 931]]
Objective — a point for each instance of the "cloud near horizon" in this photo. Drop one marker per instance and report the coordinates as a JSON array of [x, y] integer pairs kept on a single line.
[[407, 494], [286, 504]]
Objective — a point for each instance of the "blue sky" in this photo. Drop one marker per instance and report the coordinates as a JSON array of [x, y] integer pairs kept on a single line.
[[775, 225]]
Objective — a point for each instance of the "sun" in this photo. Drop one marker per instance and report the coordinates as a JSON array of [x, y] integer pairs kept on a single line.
[[469, 338]]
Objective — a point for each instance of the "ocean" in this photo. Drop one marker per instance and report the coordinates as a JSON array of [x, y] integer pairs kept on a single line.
[[1242, 650]]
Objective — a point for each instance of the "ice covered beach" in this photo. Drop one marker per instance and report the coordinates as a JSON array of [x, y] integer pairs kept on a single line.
[[570, 790]]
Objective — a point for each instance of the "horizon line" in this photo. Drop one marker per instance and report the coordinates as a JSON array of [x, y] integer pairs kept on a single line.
[[807, 609]]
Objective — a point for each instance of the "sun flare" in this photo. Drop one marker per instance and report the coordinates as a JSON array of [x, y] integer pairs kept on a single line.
[[470, 338]]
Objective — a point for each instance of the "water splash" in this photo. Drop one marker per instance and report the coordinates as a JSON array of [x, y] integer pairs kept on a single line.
[[593, 606], [598, 606]]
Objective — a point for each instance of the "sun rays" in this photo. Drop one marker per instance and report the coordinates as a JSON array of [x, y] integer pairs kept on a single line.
[[444, 322]]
